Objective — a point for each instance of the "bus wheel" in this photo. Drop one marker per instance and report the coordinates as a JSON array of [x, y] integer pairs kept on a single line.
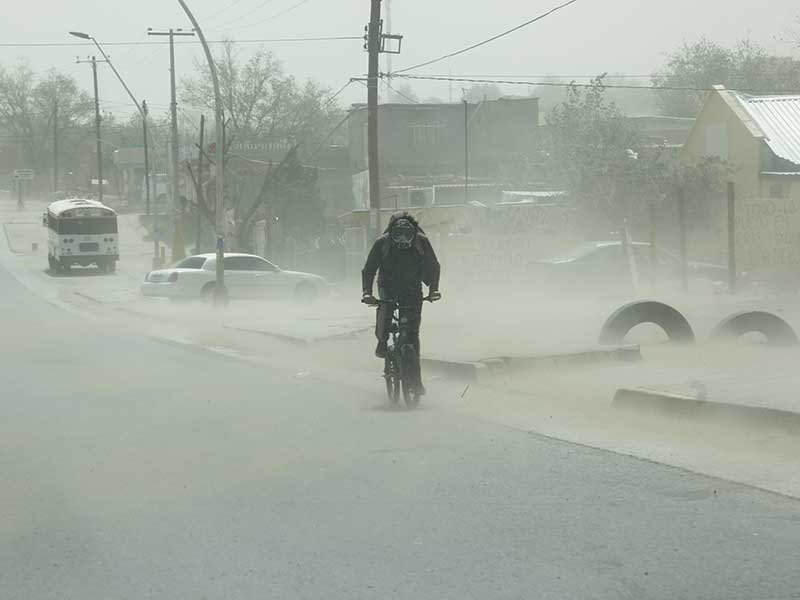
[[111, 265], [64, 266]]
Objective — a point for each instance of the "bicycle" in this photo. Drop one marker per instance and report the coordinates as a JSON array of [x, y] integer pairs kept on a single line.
[[401, 369]]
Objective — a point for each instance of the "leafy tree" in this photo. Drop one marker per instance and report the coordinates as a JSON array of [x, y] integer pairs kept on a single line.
[[592, 149], [603, 161], [701, 64]]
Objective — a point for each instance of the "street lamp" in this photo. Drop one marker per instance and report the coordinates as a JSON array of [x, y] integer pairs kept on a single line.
[[220, 293], [142, 108]]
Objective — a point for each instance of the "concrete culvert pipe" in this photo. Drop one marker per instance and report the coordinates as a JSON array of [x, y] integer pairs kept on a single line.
[[629, 316], [777, 331]]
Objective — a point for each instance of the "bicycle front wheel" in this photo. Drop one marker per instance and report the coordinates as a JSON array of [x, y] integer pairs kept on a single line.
[[410, 377], [392, 382]]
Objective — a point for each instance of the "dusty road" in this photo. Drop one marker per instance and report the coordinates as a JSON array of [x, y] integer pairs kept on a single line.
[[134, 469]]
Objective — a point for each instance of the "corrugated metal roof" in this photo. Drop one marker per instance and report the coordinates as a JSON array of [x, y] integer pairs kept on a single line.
[[778, 117]]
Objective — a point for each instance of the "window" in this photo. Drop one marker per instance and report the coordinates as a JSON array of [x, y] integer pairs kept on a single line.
[[88, 226], [248, 263], [193, 262], [426, 133], [777, 191]]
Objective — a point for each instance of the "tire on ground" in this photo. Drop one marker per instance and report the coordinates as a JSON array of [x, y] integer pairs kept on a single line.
[[305, 291], [777, 331], [207, 293], [629, 316]]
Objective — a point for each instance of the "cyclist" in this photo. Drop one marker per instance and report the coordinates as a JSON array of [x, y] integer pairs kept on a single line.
[[404, 259]]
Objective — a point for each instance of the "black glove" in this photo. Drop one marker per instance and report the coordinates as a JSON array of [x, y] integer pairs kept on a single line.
[[368, 298], [434, 296]]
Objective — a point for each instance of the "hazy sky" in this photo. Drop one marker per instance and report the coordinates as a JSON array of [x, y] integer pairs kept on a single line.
[[591, 36]]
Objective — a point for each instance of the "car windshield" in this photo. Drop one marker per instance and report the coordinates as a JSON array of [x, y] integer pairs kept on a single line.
[[567, 371], [192, 262]]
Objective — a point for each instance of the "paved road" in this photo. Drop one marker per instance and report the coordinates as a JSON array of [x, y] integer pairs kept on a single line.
[[133, 469]]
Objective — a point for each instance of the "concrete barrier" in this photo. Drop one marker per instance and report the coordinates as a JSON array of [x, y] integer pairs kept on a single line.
[[474, 370], [677, 405]]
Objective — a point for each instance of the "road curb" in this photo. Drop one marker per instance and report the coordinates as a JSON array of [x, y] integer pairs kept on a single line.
[[673, 404], [301, 341], [473, 370], [624, 353]]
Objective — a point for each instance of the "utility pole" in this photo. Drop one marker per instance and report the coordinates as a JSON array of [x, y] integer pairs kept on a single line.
[[146, 158], [388, 54], [200, 198], [373, 48], [141, 108], [178, 251], [93, 62], [55, 146], [466, 151]]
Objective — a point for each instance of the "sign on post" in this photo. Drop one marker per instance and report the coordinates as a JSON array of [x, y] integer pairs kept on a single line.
[[24, 174]]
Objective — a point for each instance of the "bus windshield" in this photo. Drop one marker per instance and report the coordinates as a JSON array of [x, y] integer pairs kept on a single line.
[[88, 226]]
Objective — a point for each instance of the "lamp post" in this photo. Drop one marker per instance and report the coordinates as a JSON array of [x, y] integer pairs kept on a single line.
[[142, 108], [220, 293]]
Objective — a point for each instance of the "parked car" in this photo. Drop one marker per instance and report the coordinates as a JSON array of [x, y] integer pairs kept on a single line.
[[605, 264], [246, 276]]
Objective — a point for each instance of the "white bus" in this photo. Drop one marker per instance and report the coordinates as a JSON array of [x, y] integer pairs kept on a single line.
[[81, 232]]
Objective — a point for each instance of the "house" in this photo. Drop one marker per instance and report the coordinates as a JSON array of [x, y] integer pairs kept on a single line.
[[427, 145], [759, 137], [660, 130]]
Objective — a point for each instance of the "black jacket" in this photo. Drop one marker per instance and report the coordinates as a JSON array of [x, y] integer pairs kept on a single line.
[[401, 270]]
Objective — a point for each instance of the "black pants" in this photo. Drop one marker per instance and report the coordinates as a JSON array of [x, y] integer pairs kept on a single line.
[[410, 316]]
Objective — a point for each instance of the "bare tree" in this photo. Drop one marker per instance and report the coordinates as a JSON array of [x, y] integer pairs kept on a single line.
[[27, 110], [262, 101]]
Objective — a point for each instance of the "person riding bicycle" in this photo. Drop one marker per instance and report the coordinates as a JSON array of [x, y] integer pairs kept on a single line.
[[404, 259]]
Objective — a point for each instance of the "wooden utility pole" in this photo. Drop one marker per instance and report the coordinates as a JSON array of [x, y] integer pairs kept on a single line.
[[146, 157], [198, 235], [466, 152], [731, 237], [93, 62], [178, 251], [55, 146], [373, 49]]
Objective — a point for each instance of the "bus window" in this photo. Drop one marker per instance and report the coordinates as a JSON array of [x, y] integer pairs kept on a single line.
[[88, 226]]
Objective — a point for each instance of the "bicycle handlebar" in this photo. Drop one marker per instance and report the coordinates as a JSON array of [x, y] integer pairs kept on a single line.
[[372, 301]]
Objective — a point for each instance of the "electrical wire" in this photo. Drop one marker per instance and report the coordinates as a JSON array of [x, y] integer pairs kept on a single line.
[[241, 17], [401, 94], [657, 88], [223, 9], [280, 14], [489, 40], [179, 43]]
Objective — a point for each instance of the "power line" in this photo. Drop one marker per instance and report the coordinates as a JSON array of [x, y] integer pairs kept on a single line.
[[548, 75], [223, 9], [658, 88], [278, 14], [161, 43], [230, 22], [489, 40], [401, 94]]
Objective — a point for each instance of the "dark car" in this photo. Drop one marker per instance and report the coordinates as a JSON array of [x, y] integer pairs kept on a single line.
[[605, 264]]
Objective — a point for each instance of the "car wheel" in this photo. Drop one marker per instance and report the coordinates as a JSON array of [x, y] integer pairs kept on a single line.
[[305, 292], [207, 293]]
